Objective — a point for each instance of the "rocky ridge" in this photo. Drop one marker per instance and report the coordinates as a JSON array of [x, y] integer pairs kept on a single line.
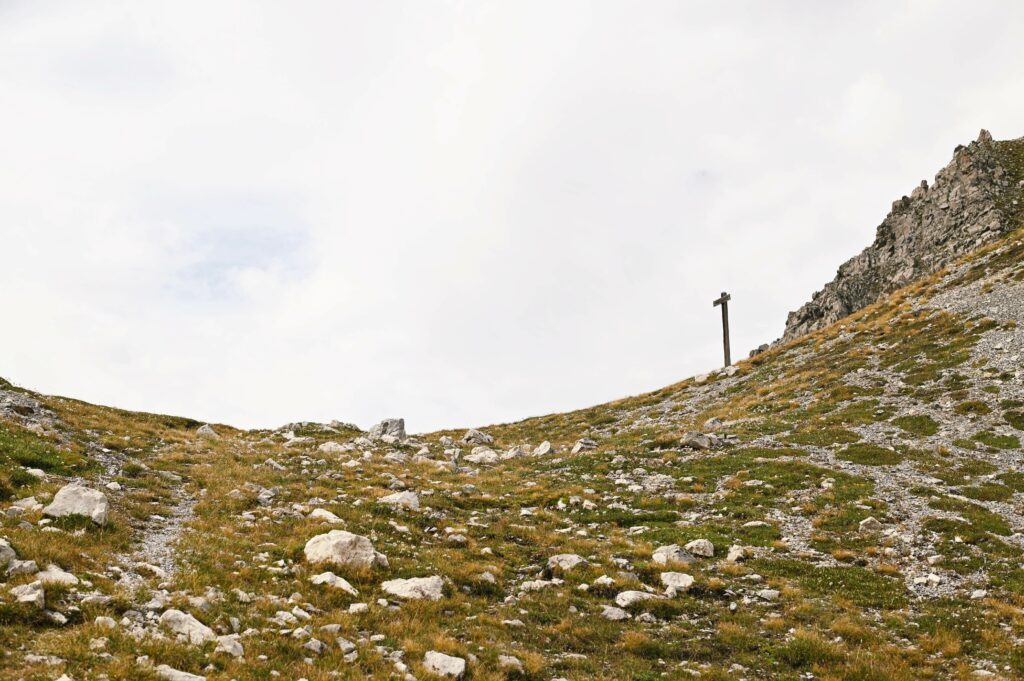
[[973, 201]]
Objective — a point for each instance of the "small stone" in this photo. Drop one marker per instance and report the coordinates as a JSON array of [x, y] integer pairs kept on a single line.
[[230, 645], [186, 626], [701, 547], [54, 575], [206, 431], [476, 437], [614, 614], [697, 441], [671, 554], [168, 673], [333, 580], [628, 598], [30, 594], [406, 499], [566, 561], [870, 524], [676, 582], [323, 515], [444, 665]]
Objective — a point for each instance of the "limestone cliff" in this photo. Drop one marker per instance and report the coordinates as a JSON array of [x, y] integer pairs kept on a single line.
[[973, 201]]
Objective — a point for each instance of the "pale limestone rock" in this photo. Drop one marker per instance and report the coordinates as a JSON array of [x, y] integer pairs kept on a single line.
[[671, 554], [405, 499], [54, 575], [628, 598], [323, 515], [701, 547], [444, 665], [333, 580], [230, 645], [339, 547], [566, 561], [187, 626], [30, 594], [168, 673], [75, 499], [676, 582], [417, 588]]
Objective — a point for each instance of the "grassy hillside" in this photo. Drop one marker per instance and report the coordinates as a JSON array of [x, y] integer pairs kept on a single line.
[[862, 494]]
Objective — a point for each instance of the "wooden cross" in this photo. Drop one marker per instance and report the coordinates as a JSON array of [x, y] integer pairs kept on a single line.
[[724, 302]]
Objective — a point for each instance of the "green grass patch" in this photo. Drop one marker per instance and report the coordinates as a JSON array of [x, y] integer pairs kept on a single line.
[[998, 441], [859, 585], [973, 408], [822, 437], [921, 426], [1015, 419], [870, 455]]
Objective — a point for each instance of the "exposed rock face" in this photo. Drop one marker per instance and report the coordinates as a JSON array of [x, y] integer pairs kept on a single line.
[[970, 204], [388, 428]]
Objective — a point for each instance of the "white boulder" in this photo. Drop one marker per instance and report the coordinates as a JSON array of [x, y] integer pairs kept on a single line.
[[566, 561], [614, 614], [482, 455], [339, 547], [628, 598], [323, 515], [676, 582], [417, 588], [392, 428], [701, 547], [543, 449], [187, 626], [230, 645], [31, 594], [332, 580], [402, 500], [444, 665], [54, 575], [671, 554], [477, 437], [74, 499], [206, 431], [168, 673]]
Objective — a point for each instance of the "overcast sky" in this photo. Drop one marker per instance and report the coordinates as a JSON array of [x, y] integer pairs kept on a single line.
[[460, 213]]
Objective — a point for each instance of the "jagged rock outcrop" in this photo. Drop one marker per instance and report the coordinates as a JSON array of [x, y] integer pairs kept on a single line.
[[971, 203]]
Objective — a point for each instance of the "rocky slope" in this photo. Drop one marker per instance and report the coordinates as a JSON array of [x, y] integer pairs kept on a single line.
[[973, 201], [847, 505]]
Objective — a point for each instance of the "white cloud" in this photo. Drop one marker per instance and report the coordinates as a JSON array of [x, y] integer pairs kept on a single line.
[[455, 212]]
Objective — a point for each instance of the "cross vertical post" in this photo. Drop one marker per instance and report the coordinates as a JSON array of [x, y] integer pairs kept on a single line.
[[724, 302]]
